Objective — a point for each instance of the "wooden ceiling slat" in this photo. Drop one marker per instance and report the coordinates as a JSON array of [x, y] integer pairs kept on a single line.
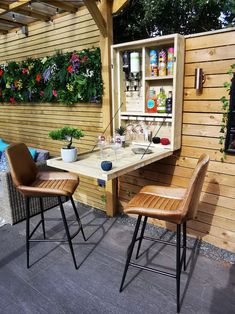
[[18, 4], [33, 13], [62, 5]]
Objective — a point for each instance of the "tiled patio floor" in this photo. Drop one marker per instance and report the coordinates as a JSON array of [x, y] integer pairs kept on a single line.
[[52, 285]]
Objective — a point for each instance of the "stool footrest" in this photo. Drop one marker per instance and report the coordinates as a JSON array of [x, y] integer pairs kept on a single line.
[[49, 240], [154, 270], [158, 240]]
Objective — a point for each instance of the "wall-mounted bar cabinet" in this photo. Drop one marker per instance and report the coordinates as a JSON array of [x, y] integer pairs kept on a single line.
[[147, 82]]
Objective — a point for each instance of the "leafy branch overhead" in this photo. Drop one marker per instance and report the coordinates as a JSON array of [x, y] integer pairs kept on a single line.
[[62, 78], [149, 18]]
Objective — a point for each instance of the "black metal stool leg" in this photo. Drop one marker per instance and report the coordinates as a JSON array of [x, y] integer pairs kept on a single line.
[[184, 243], [178, 266], [130, 251], [77, 217], [42, 217], [141, 236], [67, 231], [27, 229]]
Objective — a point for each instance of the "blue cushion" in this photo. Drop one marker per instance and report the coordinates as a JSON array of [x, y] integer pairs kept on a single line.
[[42, 154], [33, 152], [3, 145]]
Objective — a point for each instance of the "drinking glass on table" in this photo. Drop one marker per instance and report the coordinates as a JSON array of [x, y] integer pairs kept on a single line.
[[115, 144], [101, 145]]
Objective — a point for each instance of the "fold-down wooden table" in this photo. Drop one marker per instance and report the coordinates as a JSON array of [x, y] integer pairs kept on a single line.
[[88, 164]]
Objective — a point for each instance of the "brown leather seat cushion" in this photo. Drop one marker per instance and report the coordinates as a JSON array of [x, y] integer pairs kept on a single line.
[[158, 202], [51, 184], [171, 204], [31, 182]]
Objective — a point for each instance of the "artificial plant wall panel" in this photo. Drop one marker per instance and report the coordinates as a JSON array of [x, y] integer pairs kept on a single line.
[[62, 78]]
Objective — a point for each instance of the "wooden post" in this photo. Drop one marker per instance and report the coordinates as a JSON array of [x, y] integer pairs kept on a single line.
[[105, 46]]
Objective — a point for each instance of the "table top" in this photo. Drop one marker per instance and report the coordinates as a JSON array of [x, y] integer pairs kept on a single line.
[[89, 164]]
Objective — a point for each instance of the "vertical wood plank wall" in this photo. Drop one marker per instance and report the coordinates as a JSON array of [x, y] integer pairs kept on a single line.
[[31, 123], [202, 116], [200, 131]]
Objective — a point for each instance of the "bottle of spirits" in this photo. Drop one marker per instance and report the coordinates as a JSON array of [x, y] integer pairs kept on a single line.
[[151, 105], [153, 62], [162, 62], [169, 102], [161, 101], [170, 61]]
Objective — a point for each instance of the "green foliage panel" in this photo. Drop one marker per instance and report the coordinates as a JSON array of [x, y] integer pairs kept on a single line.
[[66, 78]]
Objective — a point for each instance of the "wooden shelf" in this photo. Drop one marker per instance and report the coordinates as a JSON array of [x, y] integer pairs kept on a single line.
[[158, 78], [145, 114]]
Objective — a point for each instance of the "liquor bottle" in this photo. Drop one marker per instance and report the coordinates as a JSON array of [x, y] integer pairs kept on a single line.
[[153, 62], [170, 61], [162, 63], [126, 63], [126, 69], [169, 102], [151, 105], [161, 101]]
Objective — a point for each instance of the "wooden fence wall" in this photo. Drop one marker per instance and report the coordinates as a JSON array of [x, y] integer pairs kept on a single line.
[[202, 115], [31, 123]]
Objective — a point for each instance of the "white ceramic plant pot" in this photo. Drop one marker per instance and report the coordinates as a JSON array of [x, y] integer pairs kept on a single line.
[[69, 155]]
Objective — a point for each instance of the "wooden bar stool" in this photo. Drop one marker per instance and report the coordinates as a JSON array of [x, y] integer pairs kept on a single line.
[[34, 183], [175, 205]]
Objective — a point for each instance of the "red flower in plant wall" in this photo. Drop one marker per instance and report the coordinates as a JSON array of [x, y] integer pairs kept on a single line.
[[38, 77], [85, 58], [12, 100], [25, 70], [70, 68], [1, 72], [54, 92], [41, 93]]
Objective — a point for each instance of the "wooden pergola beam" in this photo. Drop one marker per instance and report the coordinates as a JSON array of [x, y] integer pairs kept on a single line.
[[17, 4], [65, 5], [97, 16], [33, 13], [4, 20], [118, 5], [12, 6]]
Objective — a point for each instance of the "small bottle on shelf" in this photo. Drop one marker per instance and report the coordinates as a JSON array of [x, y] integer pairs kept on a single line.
[[161, 101], [169, 102], [162, 63], [151, 105], [153, 62], [170, 61]]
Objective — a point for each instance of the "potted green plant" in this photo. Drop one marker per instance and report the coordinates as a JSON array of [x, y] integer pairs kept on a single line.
[[68, 152], [121, 131]]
